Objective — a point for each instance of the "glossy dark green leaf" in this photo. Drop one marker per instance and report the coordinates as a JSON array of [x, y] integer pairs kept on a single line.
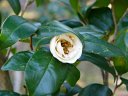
[[97, 17], [72, 23], [75, 4], [90, 29], [8, 93], [120, 6], [95, 45], [125, 81], [98, 61], [47, 31], [52, 29], [18, 61], [44, 74], [96, 90], [73, 75], [13, 29], [102, 3], [15, 4]]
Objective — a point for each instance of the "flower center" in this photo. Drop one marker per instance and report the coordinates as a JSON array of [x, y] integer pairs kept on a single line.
[[65, 44]]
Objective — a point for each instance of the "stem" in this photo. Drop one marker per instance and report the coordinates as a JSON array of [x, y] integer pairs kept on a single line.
[[82, 18], [8, 52], [114, 20], [117, 86], [105, 77], [26, 90], [31, 44], [26, 6]]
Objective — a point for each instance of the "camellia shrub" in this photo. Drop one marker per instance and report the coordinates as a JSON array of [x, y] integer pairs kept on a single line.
[[99, 36]]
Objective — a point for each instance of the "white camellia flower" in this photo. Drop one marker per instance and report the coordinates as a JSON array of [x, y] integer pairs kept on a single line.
[[66, 47]]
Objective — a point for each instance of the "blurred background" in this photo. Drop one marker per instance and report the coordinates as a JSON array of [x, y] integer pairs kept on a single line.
[[51, 10]]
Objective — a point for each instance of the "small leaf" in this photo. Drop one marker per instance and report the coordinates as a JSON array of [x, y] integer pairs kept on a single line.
[[44, 74], [13, 29], [18, 61], [15, 4], [73, 75], [97, 17], [96, 89], [75, 4], [8, 93], [98, 61]]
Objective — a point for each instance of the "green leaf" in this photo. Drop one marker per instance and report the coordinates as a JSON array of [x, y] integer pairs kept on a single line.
[[40, 2], [44, 74], [97, 17], [120, 6], [90, 29], [121, 63], [98, 61], [13, 29], [72, 23], [75, 4], [102, 3], [47, 31], [18, 61], [98, 46], [97, 90], [15, 4], [52, 29], [73, 75], [8, 93], [125, 81], [123, 23]]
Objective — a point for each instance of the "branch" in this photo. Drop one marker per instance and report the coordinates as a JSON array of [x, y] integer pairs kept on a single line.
[[117, 86], [114, 20], [26, 6], [31, 44]]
